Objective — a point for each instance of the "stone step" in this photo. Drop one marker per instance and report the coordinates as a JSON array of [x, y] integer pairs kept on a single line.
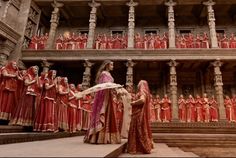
[[11, 129], [64, 147], [8, 138], [160, 150], [194, 139], [182, 153], [177, 127]]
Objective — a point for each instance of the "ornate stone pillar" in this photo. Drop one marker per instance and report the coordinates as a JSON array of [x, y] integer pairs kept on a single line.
[[219, 88], [208, 83], [171, 22], [46, 65], [173, 90], [92, 23], [129, 75], [54, 23], [131, 23], [87, 74], [6, 47], [211, 23]]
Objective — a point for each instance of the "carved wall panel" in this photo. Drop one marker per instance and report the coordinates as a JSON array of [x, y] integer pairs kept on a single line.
[[32, 24]]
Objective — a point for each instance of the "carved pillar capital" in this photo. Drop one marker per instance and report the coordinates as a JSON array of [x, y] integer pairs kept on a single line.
[[170, 3], [46, 65], [173, 65], [131, 3], [94, 5], [209, 3], [217, 63], [6, 47]]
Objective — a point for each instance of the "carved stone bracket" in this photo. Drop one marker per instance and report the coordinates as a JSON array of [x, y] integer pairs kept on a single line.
[[46, 65], [87, 74]]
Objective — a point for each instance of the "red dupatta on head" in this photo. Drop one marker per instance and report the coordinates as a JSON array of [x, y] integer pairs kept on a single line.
[[144, 90]]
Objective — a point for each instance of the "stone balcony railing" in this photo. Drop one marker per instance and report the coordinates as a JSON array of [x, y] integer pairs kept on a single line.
[[134, 54]]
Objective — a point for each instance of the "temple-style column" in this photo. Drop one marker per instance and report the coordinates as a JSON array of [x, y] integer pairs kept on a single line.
[[46, 65], [131, 23], [173, 90], [54, 23], [171, 22], [219, 88], [6, 47], [129, 75], [211, 23], [87, 74], [208, 84], [92, 23]]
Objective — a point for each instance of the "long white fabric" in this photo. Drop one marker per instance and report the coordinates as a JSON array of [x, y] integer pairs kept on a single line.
[[125, 97]]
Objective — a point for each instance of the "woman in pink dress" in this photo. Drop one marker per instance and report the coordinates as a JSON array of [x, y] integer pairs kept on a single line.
[[103, 128]]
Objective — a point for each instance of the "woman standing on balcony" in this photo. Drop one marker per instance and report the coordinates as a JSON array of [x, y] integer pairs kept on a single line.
[[103, 128]]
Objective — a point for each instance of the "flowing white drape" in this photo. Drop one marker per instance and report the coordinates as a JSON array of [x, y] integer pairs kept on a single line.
[[125, 97]]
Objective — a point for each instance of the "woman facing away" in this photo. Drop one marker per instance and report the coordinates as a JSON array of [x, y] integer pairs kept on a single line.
[[140, 136], [103, 127]]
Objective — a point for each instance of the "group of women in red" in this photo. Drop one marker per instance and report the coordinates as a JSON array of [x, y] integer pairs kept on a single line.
[[189, 41], [198, 109], [71, 41], [160, 109], [38, 42], [46, 102]]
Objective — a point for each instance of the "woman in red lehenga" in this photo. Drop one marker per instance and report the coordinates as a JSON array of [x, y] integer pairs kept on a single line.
[[79, 111], [229, 109], [86, 110], [182, 108], [190, 107], [152, 105], [63, 101], [45, 116], [39, 112], [72, 109], [103, 128], [166, 109], [25, 111], [140, 135], [157, 107], [214, 110], [8, 90], [199, 108], [20, 83]]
